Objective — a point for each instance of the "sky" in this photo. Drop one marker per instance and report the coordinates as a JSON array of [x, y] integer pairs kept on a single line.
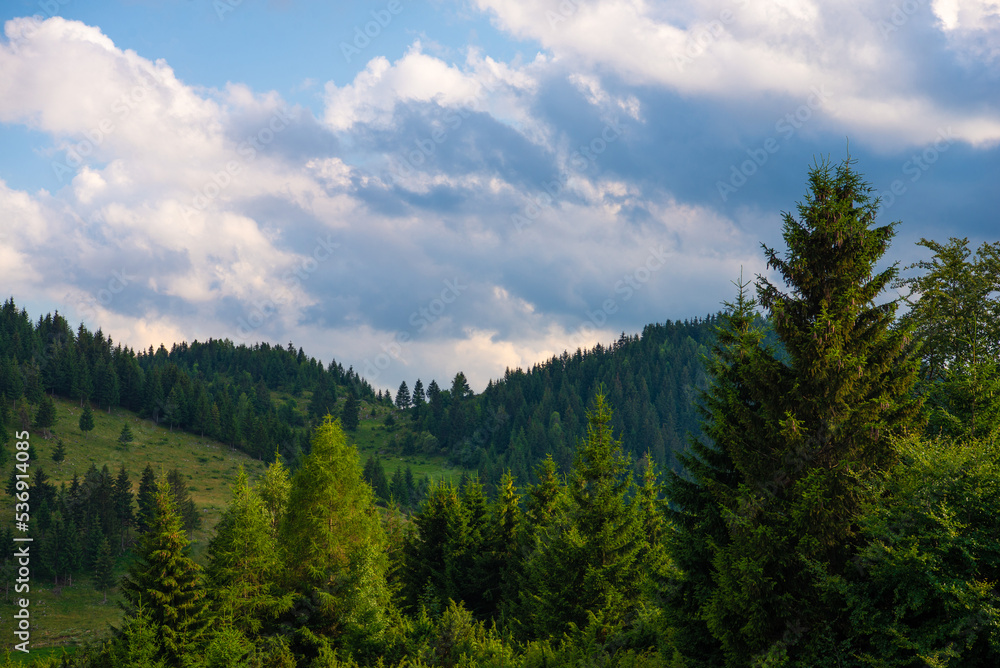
[[416, 188]]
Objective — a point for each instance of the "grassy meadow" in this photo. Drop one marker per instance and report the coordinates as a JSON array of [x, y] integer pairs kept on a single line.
[[66, 616]]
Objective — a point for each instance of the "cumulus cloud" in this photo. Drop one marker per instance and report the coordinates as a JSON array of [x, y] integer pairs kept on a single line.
[[785, 49]]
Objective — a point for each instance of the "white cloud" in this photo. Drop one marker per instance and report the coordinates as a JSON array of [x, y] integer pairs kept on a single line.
[[752, 52]]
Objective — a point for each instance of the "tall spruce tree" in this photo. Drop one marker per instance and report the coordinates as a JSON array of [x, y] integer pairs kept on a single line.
[[587, 560], [821, 420], [335, 544], [403, 396], [167, 584], [731, 421]]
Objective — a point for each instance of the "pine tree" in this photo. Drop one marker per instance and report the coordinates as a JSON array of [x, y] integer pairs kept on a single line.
[[125, 438], [349, 413], [45, 417], [167, 583], [59, 454], [86, 419], [419, 399], [104, 566], [121, 499], [822, 417], [146, 500], [403, 396], [730, 421], [374, 475]]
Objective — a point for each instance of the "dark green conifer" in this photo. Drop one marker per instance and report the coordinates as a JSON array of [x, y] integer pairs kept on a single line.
[[185, 504], [45, 416], [104, 566], [146, 499], [86, 419], [807, 430], [59, 454], [167, 583], [349, 413], [125, 438]]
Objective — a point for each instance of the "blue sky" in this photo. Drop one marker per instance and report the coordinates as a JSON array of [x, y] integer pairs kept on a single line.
[[417, 188]]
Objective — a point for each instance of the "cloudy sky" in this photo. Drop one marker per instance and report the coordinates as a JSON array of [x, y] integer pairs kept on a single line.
[[420, 187]]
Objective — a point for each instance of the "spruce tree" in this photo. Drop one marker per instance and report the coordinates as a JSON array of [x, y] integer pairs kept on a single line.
[[374, 474], [125, 438], [823, 416], [425, 550], [729, 411], [498, 564], [335, 543], [185, 504], [45, 416], [146, 499], [59, 454], [104, 567], [245, 562], [86, 419], [419, 399], [167, 584], [121, 499], [587, 560], [349, 413], [403, 396]]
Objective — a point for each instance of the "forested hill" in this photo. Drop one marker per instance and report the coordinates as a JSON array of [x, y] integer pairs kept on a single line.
[[214, 388], [225, 391], [651, 379]]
